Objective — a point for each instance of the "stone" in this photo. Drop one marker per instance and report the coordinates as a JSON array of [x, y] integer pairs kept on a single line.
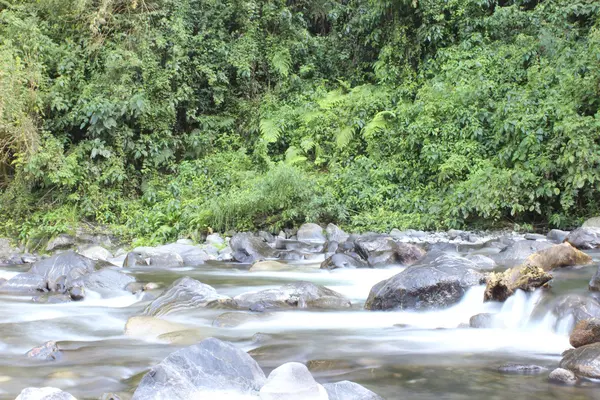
[[384, 250], [266, 236], [311, 233], [454, 234], [584, 238], [483, 320], [77, 293], [517, 252], [60, 270], [341, 260], [292, 381], [501, 285], [190, 254], [167, 256], [562, 376], [594, 284], [297, 294], [215, 239], [6, 250], [268, 266], [44, 393], [586, 331], [247, 248], [558, 256], [206, 370], [232, 319], [25, 283], [441, 283], [184, 294], [576, 308], [556, 235], [583, 361], [96, 253], [346, 390], [110, 396], [482, 262], [61, 241], [534, 236], [593, 222], [524, 369], [49, 351], [335, 234], [151, 327], [107, 280]]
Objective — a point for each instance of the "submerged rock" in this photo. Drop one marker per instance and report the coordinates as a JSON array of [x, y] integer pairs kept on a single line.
[[107, 279], [268, 266], [483, 320], [45, 393], [292, 381], [49, 351], [562, 376], [525, 369], [341, 260], [586, 331], [583, 361], [594, 284], [346, 390], [501, 285], [576, 308], [517, 252], [584, 238], [439, 284], [25, 283], [60, 270], [209, 368], [558, 256], [151, 327], [248, 248], [232, 319], [184, 294], [311, 233]]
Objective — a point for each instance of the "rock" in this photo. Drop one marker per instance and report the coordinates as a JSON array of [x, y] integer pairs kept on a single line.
[[341, 260], [346, 390], [576, 308], [76, 293], [562, 376], [24, 283], [558, 256], [28, 258], [247, 248], [96, 253], [584, 238], [593, 222], [454, 234], [290, 244], [298, 294], [52, 298], [151, 327], [441, 283], [558, 236], [215, 239], [110, 396], [45, 393], [107, 280], [202, 371], [311, 233], [49, 351], [501, 285], [583, 361], [62, 241], [586, 331], [232, 319], [268, 266], [517, 252], [60, 270], [383, 250], [594, 284], [190, 254], [482, 262], [266, 236], [292, 381], [336, 234], [526, 369], [225, 254], [534, 236], [6, 250], [330, 248], [483, 320], [166, 256], [184, 294]]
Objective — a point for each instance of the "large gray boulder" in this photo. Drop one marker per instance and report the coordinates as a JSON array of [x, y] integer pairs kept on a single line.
[[341, 260], [297, 294], [248, 248], [384, 250], [311, 233], [292, 381], [60, 270], [583, 361], [96, 253], [346, 390], [49, 351], [336, 234], [584, 238], [44, 393], [184, 294], [62, 241], [439, 284], [557, 236], [107, 280], [593, 222], [517, 252], [167, 256], [576, 308], [206, 370], [24, 283]]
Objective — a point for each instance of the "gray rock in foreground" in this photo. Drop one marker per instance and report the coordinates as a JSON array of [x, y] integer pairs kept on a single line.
[[562, 376], [45, 393], [60, 270], [583, 361], [292, 381], [346, 390], [584, 238]]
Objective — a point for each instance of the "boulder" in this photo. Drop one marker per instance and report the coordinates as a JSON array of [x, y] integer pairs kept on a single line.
[[96, 253], [562, 376], [558, 256], [584, 238], [501, 285], [45, 393], [346, 390], [384, 250], [583, 361], [340, 260], [292, 381], [6, 250], [206, 370], [311, 233], [60, 270], [266, 236], [556, 235], [25, 283], [576, 308], [166, 256], [268, 266], [291, 244], [594, 284], [441, 283], [517, 252], [52, 298], [151, 327], [298, 294], [593, 222], [184, 294], [534, 236], [232, 319], [524, 369], [483, 320], [336, 234], [61, 241], [107, 280], [482, 262], [216, 240], [247, 248], [586, 331], [190, 254], [49, 351]]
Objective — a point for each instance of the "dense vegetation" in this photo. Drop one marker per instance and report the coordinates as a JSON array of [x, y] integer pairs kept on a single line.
[[163, 118]]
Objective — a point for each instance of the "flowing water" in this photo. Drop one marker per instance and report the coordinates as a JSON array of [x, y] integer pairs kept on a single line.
[[399, 355]]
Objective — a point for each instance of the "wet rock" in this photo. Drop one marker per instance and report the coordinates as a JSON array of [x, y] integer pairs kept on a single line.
[[107, 280], [292, 381], [96, 253], [49, 351], [576, 308], [346, 390], [60, 270], [311, 233], [25, 283], [268, 266], [166, 256], [558, 236], [330, 248], [517, 252], [593, 222], [341, 260], [225, 254], [247, 248], [190, 254], [297, 294], [110, 396], [62, 241], [6, 250], [291, 244], [336, 234], [586, 331], [384, 250], [482, 262], [594, 284], [209, 368], [584, 238], [483, 320], [525, 369], [45, 393], [558, 256], [52, 298], [562, 376], [454, 234], [232, 319], [184, 294], [501, 285], [534, 236], [28, 258], [77, 293], [583, 361], [215, 239], [151, 327], [441, 283], [266, 236]]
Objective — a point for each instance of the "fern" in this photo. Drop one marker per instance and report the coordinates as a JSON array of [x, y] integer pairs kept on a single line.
[[344, 136], [270, 130], [293, 156], [282, 62], [378, 123]]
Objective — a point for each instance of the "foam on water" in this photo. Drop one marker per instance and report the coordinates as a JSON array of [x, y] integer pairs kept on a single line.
[[7, 274]]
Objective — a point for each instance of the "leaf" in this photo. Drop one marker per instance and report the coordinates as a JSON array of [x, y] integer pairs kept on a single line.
[[344, 136], [293, 156], [269, 130], [282, 62], [378, 123]]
